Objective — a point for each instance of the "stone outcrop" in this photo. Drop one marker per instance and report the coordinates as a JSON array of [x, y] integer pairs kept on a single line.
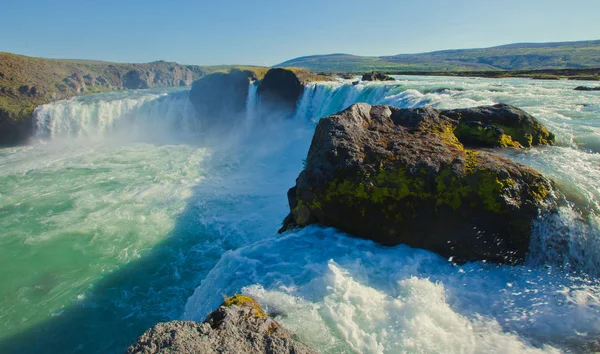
[[239, 325], [377, 76], [586, 88], [221, 97], [280, 90], [144, 78], [404, 176], [15, 128]]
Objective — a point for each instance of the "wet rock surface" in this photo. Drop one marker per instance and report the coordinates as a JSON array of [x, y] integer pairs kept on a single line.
[[404, 176]]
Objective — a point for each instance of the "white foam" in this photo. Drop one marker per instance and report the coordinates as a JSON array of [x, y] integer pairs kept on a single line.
[[146, 113], [362, 297]]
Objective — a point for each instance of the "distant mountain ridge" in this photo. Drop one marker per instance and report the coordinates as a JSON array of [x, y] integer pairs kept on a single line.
[[515, 56]]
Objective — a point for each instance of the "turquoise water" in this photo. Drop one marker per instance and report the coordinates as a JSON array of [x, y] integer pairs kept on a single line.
[[123, 213]]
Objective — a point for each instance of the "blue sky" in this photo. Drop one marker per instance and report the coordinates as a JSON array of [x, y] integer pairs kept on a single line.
[[269, 32]]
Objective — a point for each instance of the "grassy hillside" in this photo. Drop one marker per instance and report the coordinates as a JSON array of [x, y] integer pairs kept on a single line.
[[520, 56]]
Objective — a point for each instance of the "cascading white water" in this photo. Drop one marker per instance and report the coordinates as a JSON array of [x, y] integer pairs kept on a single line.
[[252, 103], [561, 240], [103, 240], [117, 112], [322, 99]]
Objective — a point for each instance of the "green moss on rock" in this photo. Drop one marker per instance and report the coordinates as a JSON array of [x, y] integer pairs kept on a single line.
[[244, 301]]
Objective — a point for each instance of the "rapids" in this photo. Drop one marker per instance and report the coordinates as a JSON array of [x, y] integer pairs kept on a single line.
[[122, 213]]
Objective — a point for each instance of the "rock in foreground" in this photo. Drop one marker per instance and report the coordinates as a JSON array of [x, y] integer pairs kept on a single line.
[[402, 176], [239, 325]]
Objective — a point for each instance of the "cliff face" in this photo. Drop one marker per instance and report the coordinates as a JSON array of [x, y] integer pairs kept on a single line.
[[27, 82]]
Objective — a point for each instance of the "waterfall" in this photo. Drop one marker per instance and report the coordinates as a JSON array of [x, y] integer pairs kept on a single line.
[[252, 103], [101, 114], [322, 99]]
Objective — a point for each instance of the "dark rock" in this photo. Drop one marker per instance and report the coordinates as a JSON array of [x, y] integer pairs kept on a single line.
[[138, 79], [15, 128], [24, 89], [443, 90], [221, 97], [76, 82], [402, 176], [500, 125], [239, 325], [586, 88], [280, 90], [377, 76]]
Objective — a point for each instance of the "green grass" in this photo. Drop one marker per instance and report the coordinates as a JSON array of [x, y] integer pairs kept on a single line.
[[564, 55]]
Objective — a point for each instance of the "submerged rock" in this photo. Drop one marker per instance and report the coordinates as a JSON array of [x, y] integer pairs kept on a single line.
[[239, 325], [586, 88], [377, 76], [280, 90], [403, 176]]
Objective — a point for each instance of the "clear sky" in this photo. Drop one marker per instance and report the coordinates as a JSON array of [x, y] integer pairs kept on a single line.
[[268, 32]]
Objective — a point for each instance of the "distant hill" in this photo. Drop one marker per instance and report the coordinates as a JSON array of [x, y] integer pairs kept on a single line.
[[518, 56]]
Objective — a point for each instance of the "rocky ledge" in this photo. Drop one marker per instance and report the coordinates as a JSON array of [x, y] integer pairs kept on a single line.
[[404, 176], [239, 325]]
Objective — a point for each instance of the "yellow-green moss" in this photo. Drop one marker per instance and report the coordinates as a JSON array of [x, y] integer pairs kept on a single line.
[[539, 191], [489, 188], [399, 188], [450, 190], [244, 301], [449, 137], [484, 136], [387, 184], [529, 135]]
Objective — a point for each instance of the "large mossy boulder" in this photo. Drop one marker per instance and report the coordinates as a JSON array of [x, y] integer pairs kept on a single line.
[[239, 325], [402, 176], [221, 97], [280, 90]]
